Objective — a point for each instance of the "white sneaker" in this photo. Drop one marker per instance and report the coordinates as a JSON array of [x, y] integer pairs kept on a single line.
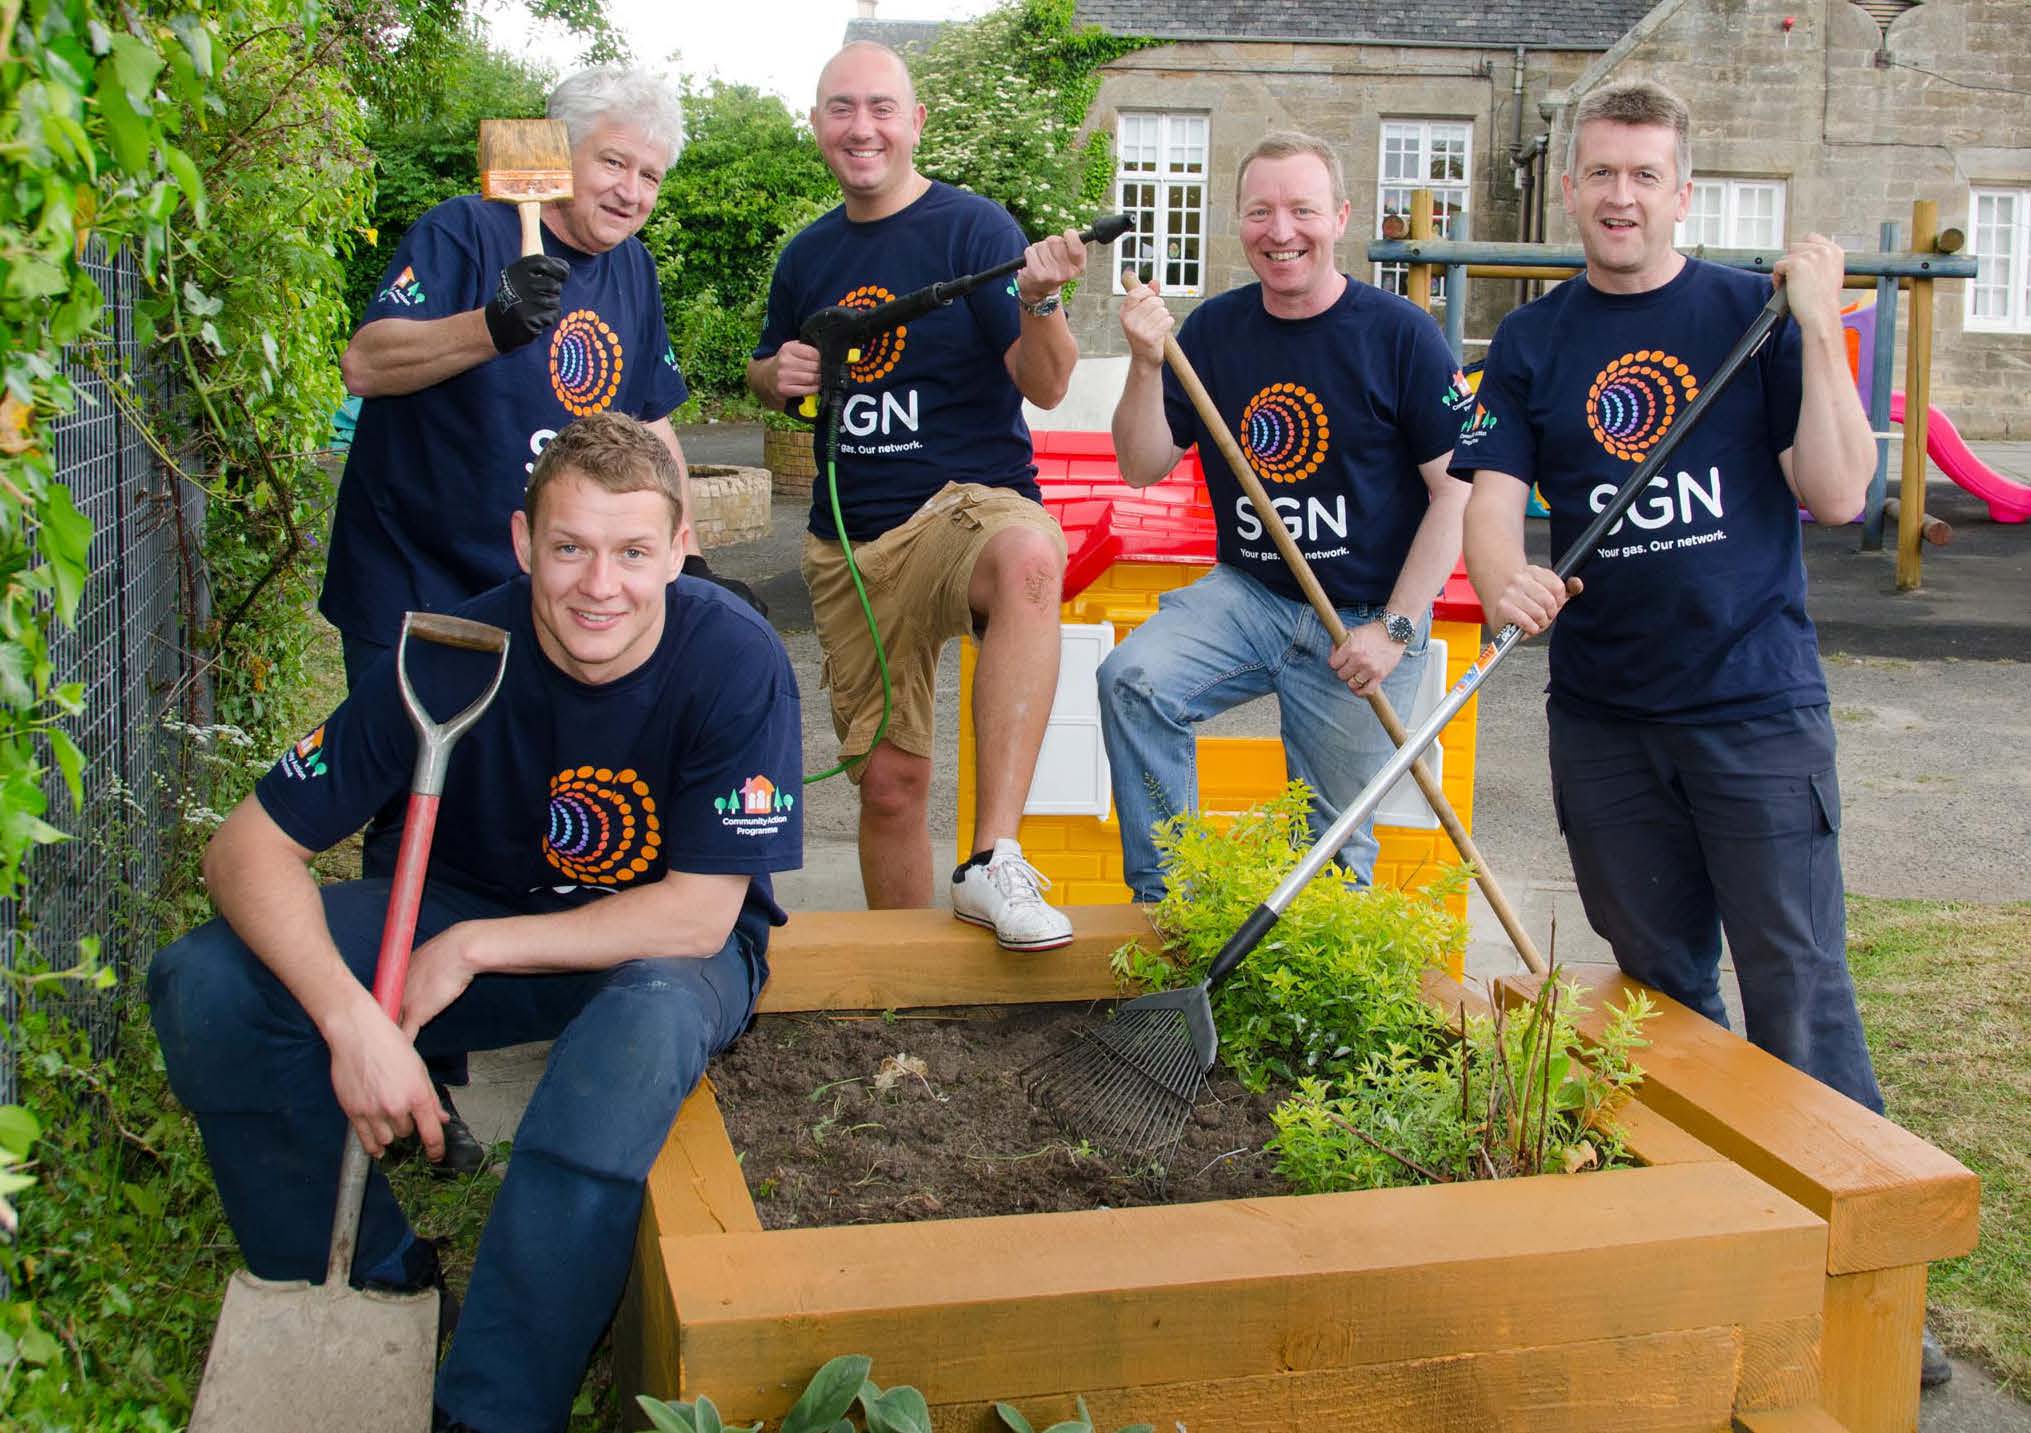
[[1007, 896]]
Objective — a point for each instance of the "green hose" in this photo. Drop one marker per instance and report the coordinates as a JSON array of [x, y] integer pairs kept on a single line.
[[881, 657]]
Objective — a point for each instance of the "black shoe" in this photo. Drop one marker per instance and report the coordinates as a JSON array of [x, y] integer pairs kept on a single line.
[[463, 1153], [1934, 1368]]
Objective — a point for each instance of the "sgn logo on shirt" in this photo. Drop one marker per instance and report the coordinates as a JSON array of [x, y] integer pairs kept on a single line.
[[604, 830], [585, 363], [1634, 400]]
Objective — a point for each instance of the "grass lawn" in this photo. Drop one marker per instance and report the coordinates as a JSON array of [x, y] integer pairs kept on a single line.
[[1946, 998]]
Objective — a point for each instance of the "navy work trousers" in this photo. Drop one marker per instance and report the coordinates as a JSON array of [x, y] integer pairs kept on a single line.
[[631, 1043], [1678, 832]]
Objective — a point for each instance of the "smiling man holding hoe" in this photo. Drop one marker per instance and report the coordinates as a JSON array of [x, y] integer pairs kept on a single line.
[[1691, 746]]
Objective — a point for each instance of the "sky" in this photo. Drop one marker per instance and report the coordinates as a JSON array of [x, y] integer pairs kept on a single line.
[[774, 45]]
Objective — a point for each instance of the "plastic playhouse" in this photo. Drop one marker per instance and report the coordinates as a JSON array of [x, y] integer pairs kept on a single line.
[[1127, 547]]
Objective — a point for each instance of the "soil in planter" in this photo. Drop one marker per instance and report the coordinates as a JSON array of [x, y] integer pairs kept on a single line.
[[827, 1136]]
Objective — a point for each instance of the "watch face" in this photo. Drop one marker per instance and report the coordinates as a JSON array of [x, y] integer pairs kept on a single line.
[[1044, 308], [1400, 628]]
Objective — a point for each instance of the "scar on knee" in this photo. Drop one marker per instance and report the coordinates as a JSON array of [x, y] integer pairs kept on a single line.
[[1040, 587]]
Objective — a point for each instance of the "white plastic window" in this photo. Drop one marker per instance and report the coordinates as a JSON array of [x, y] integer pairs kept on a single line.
[[1160, 182], [1999, 297], [1434, 154]]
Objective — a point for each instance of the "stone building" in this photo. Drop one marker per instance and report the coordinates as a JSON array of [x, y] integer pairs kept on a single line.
[[1808, 114]]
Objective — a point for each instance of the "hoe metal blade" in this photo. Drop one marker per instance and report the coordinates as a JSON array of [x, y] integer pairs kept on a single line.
[[318, 1359]]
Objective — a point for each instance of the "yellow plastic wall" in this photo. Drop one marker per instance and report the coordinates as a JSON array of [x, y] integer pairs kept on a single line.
[[1082, 855]]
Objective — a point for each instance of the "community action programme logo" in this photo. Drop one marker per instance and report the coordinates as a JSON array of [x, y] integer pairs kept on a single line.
[[604, 830], [305, 760], [585, 363], [1285, 431], [1635, 399], [757, 807]]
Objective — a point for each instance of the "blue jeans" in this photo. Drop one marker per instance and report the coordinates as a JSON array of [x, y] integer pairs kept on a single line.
[[1224, 640], [1677, 832], [631, 1043]]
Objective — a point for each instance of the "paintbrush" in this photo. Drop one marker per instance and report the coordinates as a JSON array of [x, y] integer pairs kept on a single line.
[[527, 163]]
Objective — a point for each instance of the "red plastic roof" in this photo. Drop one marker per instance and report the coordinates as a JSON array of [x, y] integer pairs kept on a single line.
[[1107, 521]]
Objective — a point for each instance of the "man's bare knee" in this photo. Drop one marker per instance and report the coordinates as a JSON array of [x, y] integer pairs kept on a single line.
[[1024, 574], [896, 787]]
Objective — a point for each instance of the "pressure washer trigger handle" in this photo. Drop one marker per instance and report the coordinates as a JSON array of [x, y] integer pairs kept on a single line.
[[807, 406]]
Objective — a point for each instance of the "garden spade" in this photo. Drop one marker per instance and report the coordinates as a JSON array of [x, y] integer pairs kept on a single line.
[[329, 1358], [527, 163], [1130, 1083]]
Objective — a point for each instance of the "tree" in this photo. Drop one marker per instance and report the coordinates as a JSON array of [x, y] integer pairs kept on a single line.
[[749, 177], [1007, 95]]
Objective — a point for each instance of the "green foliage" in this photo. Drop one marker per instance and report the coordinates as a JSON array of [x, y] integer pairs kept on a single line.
[[1013, 1419], [1518, 1096], [1336, 979], [823, 1407], [750, 177], [827, 1404], [122, 1251], [1007, 94]]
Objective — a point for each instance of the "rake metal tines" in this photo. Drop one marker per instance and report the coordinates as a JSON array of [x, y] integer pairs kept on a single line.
[[1127, 1085]]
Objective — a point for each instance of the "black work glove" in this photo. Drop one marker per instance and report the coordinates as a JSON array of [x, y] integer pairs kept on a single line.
[[694, 566], [529, 299]]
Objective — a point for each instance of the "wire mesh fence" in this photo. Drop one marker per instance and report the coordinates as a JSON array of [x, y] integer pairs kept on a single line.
[[128, 650]]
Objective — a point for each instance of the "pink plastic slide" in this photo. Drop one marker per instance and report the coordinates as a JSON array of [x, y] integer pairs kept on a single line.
[[2008, 500]]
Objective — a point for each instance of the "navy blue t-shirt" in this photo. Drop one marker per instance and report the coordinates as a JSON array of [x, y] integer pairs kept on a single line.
[[1694, 609], [929, 403], [1335, 413], [564, 792], [434, 476]]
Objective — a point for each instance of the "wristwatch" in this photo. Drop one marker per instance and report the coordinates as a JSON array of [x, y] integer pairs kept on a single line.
[[1398, 628], [1044, 307]]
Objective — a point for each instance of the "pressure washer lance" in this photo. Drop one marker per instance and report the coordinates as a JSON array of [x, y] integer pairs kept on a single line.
[[839, 333], [1129, 1084]]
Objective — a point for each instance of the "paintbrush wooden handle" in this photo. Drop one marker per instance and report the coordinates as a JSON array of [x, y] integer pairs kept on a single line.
[[532, 227]]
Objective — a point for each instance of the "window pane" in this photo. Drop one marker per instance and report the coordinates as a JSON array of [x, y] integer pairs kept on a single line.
[[1995, 242]]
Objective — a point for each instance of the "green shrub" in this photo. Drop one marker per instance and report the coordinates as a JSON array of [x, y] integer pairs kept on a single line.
[[1515, 1097], [1339, 976]]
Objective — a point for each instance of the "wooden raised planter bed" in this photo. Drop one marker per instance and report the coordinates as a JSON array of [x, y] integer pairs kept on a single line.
[[1713, 1283]]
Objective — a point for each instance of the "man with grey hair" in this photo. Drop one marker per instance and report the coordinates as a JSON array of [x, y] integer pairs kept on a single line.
[[470, 358], [1345, 401], [1691, 747]]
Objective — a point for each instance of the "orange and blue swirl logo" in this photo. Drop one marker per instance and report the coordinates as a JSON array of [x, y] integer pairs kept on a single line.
[[878, 359], [585, 363], [1285, 432], [1635, 400], [604, 830]]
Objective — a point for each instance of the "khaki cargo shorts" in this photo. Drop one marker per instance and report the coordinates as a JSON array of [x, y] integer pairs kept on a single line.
[[916, 576]]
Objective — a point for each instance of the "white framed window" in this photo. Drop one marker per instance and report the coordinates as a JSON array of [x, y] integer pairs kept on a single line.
[[1434, 154], [1999, 296], [1160, 182], [1734, 214]]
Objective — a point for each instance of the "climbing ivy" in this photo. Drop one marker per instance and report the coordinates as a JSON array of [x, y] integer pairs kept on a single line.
[[1007, 94]]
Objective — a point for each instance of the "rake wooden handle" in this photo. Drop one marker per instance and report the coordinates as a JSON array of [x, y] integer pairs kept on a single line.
[[1434, 794]]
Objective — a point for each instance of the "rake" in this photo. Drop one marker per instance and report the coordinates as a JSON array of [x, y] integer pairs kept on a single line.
[[1129, 1084]]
